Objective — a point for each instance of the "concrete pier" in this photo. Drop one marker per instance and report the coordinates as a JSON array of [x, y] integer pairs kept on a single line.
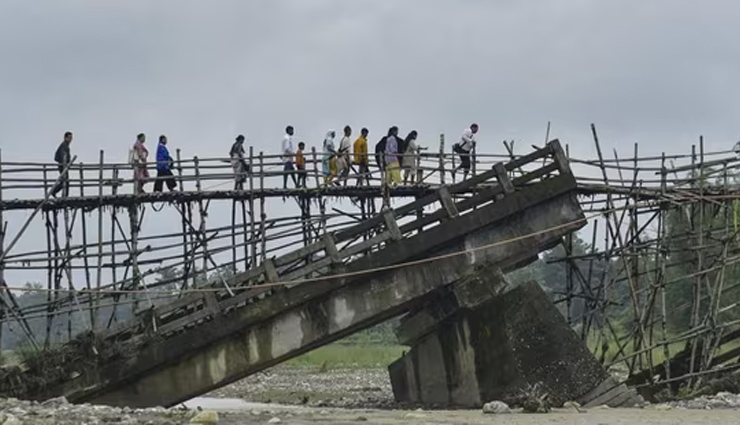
[[467, 351]]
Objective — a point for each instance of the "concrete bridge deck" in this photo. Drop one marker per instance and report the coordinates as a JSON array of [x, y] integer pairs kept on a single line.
[[317, 294]]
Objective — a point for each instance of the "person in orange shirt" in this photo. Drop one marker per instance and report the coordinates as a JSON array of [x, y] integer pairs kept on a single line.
[[360, 157], [300, 162]]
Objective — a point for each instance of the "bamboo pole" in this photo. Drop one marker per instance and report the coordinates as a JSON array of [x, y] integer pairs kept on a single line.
[[252, 225], [99, 267], [185, 252], [263, 214], [661, 272], [85, 262], [114, 271], [700, 257], [442, 158]]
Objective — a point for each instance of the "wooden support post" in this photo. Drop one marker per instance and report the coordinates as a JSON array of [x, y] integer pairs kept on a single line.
[[193, 246], [331, 249], [263, 215], [185, 251], [99, 267], [233, 235], [315, 167], [245, 233], [662, 258], [503, 177], [179, 170], [569, 281], [446, 200], [442, 176], [698, 230], [85, 260], [271, 274], [203, 214], [133, 212], [50, 294], [68, 265], [392, 226], [453, 158], [560, 157], [252, 225], [196, 161], [113, 258]]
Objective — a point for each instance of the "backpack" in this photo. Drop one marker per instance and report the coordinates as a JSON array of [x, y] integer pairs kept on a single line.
[[403, 144], [457, 148], [58, 155]]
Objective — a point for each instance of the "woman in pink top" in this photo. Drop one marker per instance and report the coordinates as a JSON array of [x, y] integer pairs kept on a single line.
[[138, 160]]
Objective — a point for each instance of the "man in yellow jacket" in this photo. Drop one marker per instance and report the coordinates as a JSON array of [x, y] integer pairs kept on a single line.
[[361, 158]]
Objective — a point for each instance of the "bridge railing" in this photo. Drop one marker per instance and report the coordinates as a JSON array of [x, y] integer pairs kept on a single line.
[[32, 180]]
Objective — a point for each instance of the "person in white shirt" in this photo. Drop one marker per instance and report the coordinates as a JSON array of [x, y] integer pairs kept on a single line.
[[465, 147], [410, 156], [343, 164], [287, 155]]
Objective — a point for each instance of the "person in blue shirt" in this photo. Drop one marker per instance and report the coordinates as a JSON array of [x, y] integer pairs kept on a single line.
[[164, 167]]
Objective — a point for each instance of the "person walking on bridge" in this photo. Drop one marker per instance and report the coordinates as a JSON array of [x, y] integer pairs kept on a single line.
[[240, 167], [300, 164], [137, 158], [464, 148], [164, 167], [328, 162], [410, 155], [393, 170], [288, 153], [343, 161], [380, 154], [63, 158], [361, 159]]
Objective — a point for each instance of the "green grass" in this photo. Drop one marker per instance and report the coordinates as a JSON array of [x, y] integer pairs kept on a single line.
[[343, 356]]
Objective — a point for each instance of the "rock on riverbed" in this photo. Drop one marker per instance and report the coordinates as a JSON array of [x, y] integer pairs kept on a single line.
[[59, 411]]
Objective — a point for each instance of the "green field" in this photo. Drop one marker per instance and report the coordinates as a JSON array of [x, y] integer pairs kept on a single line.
[[345, 356]]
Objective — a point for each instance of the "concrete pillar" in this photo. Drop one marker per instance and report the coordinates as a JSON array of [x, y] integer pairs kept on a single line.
[[495, 348]]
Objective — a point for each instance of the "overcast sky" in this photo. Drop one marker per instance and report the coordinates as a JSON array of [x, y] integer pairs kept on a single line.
[[659, 72]]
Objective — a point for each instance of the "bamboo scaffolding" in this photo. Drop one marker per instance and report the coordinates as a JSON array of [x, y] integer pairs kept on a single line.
[[631, 250]]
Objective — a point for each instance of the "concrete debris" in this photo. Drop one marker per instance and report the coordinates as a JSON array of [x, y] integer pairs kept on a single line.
[[496, 408], [205, 417], [574, 406], [723, 400], [58, 411], [55, 402]]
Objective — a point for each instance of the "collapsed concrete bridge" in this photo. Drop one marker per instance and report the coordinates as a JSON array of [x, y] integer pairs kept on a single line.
[[347, 281]]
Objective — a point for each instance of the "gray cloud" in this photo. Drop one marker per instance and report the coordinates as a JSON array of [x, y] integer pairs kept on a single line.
[[650, 71]]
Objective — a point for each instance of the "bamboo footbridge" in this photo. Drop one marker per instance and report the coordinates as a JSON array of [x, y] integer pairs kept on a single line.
[[654, 224]]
